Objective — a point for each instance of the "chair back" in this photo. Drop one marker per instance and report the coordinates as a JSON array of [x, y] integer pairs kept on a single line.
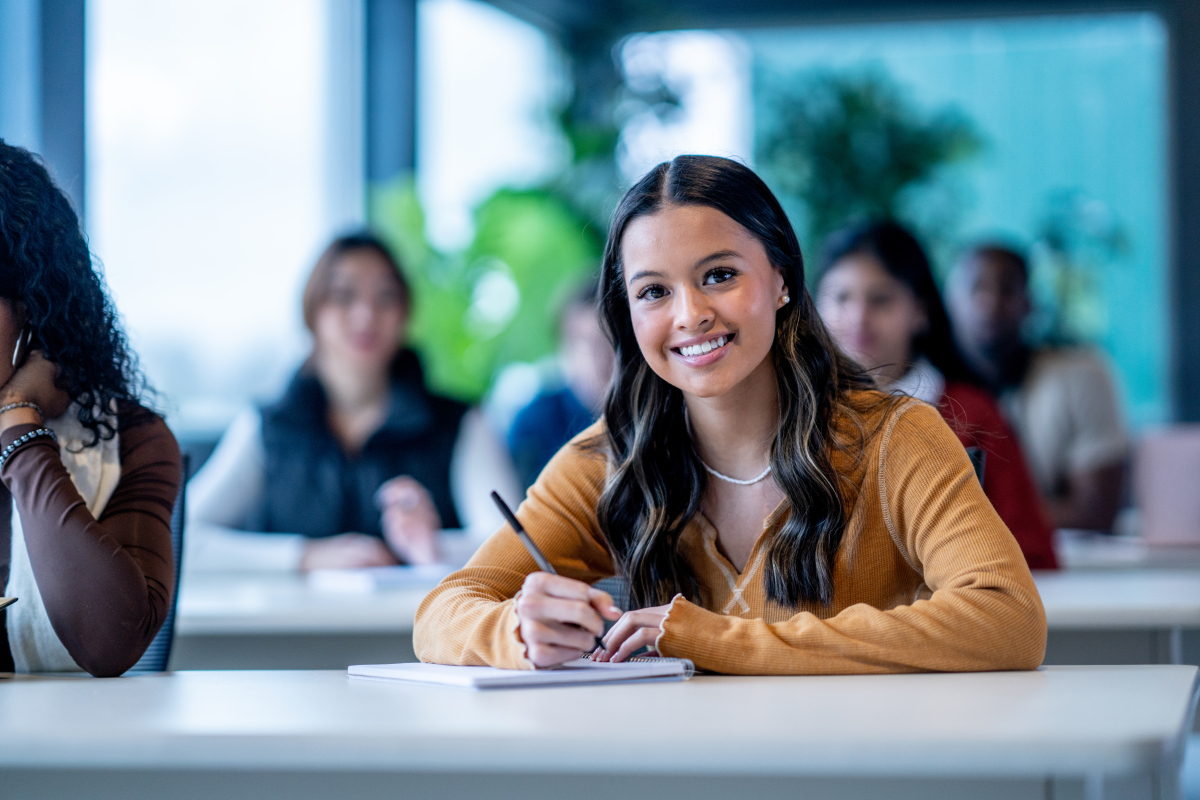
[[978, 458], [158, 654]]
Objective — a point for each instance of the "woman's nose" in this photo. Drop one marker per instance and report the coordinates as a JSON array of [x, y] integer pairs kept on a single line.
[[362, 312], [856, 315], [692, 310]]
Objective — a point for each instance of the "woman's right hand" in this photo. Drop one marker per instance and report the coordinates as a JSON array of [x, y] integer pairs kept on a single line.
[[561, 618], [346, 551]]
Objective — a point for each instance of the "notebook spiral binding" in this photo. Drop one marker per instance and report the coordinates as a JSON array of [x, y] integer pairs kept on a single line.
[[689, 668]]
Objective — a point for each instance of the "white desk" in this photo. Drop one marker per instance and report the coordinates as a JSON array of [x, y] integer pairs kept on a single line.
[[276, 621], [1122, 616], [1080, 550], [261, 621], [1090, 732]]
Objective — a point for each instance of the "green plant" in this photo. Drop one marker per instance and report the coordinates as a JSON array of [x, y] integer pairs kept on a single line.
[[842, 146], [496, 301], [1078, 237]]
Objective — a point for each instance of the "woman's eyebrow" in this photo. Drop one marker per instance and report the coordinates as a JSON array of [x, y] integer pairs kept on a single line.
[[717, 256], [646, 273]]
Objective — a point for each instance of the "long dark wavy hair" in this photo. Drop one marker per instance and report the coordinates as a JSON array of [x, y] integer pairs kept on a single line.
[[46, 273], [656, 479], [903, 257]]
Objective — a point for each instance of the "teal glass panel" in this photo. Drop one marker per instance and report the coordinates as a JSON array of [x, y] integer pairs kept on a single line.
[[1068, 107]]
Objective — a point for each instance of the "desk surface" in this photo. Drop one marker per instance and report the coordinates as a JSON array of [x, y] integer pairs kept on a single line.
[[249, 604], [1056, 721], [257, 603], [1082, 550], [1121, 598]]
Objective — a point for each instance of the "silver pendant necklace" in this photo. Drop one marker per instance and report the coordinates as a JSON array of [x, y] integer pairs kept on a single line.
[[716, 474]]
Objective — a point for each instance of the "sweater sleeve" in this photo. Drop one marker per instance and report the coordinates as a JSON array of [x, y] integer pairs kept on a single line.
[[469, 619], [984, 612], [107, 584]]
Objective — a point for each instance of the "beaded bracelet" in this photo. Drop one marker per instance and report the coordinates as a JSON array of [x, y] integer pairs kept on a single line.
[[23, 404], [25, 439]]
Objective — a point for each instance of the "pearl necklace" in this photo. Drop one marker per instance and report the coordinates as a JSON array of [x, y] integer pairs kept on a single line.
[[716, 474]]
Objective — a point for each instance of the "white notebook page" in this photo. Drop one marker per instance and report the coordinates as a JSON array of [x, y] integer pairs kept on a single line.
[[583, 670]]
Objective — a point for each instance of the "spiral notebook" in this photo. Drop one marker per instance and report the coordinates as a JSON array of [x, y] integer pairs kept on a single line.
[[580, 671]]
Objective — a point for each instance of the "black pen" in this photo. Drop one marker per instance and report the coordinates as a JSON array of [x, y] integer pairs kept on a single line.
[[543, 563]]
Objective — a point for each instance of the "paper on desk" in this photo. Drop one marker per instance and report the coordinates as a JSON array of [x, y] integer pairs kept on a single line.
[[372, 579], [583, 670]]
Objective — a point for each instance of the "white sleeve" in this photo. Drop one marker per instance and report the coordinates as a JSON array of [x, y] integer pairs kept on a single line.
[[480, 465], [222, 495], [1099, 438]]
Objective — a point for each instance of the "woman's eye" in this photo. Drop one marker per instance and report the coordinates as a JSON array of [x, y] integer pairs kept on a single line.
[[881, 300], [719, 275], [342, 297], [652, 292]]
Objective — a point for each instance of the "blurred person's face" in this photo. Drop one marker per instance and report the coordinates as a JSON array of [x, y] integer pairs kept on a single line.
[[987, 300], [703, 297], [871, 315], [362, 319], [586, 355]]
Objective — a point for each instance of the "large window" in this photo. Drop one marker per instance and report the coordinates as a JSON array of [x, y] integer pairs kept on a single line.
[[225, 150], [488, 84], [1070, 117]]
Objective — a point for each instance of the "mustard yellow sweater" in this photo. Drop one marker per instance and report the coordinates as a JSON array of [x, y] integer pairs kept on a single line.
[[927, 577]]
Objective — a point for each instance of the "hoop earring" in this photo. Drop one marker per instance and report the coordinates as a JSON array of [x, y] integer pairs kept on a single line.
[[22, 348]]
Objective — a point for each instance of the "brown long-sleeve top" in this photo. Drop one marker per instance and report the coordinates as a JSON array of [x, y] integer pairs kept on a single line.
[[927, 576], [107, 584]]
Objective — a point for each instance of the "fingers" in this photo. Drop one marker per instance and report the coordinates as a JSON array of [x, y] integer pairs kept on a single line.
[[633, 631], [404, 493], [538, 634], [543, 656], [644, 637], [346, 551], [545, 607], [603, 603], [560, 617]]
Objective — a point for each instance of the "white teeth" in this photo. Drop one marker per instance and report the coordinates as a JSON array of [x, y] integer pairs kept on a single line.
[[704, 347]]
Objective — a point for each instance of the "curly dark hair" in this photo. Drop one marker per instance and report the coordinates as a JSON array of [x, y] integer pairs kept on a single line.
[[46, 272]]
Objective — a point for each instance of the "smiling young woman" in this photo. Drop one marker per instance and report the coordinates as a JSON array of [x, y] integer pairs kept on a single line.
[[772, 513]]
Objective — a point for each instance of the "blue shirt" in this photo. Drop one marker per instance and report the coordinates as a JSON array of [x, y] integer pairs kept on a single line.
[[550, 420]]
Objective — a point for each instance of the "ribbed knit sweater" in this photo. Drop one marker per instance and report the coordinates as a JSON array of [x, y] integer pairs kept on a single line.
[[927, 577]]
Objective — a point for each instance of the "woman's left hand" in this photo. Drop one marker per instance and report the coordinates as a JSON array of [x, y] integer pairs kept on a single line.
[[34, 383], [633, 631]]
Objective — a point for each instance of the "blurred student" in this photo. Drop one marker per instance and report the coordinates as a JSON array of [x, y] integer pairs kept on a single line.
[[1061, 400], [556, 415], [358, 464], [877, 295], [772, 513], [89, 474]]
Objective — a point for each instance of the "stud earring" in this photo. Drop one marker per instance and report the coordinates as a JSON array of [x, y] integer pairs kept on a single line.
[[787, 299]]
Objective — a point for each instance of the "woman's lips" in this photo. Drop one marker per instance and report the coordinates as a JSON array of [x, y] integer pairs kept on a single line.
[[701, 358]]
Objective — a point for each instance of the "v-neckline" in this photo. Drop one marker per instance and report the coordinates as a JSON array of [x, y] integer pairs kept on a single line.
[[709, 531]]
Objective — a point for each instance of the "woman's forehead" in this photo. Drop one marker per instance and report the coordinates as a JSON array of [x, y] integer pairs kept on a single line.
[[680, 236]]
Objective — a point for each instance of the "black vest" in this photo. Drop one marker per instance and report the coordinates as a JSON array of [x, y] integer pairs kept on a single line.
[[314, 488]]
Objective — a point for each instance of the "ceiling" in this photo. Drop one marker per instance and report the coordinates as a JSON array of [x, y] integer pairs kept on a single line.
[[571, 18]]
